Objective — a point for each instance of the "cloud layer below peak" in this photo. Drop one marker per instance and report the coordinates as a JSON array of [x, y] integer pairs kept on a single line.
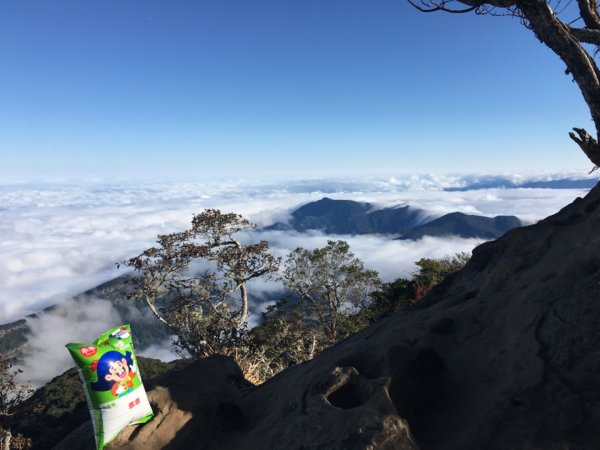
[[60, 239]]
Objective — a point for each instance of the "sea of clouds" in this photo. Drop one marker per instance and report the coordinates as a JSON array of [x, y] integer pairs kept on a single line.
[[62, 238]]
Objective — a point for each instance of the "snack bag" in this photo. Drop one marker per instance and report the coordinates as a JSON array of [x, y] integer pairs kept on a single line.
[[111, 381]]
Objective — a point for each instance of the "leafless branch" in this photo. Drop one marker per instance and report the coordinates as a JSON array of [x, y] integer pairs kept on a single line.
[[442, 7]]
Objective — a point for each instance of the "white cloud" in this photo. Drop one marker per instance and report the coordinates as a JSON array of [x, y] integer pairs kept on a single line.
[[63, 238], [79, 321], [391, 258], [73, 321]]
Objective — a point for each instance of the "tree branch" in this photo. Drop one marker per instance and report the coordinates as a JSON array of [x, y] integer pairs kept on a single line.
[[586, 35], [588, 144], [442, 7], [589, 13], [559, 37], [493, 3], [150, 304]]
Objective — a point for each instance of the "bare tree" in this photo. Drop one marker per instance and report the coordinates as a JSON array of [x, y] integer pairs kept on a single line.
[[571, 30], [205, 307]]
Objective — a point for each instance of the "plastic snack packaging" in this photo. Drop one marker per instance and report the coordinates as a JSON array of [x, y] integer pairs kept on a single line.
[[112, 384]]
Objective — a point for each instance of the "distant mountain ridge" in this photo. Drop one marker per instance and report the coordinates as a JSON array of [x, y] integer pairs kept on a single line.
[[351, 217], [465, 225], [14, 336], [504, 183]]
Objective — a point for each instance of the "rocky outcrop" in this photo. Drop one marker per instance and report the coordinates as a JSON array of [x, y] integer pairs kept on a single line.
[[12, 338], [194, 406], [501, 355]]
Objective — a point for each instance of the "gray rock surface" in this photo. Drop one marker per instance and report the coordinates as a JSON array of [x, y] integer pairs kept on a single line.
[[193, 406], [504, 354]]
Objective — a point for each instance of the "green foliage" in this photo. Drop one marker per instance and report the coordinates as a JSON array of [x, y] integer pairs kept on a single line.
[[433, 270], [61, 396], [332, 294], [404, 292], [205, 311], [286, 337], [295, 330], [151, 368], [329, 286], [332, 284], [392, 297]]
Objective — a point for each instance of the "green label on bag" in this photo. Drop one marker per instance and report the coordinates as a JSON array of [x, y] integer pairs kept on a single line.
[[108, 365], [112, 383]]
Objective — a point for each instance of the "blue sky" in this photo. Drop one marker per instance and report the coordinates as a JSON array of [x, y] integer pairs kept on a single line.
[[199, 89]]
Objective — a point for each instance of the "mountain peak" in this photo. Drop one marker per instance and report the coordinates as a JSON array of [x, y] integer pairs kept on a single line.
[[350, 217]]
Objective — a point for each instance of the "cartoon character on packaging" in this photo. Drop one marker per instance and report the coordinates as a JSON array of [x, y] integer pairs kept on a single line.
[[115, 372]]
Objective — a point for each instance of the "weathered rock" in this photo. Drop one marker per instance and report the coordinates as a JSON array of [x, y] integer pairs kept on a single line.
[[193, 407], [502, 355]]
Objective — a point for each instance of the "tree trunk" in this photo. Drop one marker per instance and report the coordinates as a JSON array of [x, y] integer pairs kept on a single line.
[[244, 299], [5, 438], [150, 303]]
